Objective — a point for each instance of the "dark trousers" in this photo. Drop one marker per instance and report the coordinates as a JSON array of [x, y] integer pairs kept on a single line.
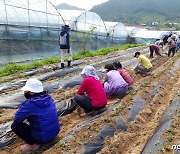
[[171, 50], [23, 130], [121, 93], [86, 103]]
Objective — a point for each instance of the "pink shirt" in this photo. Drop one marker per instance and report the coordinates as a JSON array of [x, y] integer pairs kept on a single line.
[[172, 44], [94, 90], [125, 76]]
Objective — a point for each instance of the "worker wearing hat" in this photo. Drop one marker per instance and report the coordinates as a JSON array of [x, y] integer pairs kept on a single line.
[[40, 112], [64, 42]]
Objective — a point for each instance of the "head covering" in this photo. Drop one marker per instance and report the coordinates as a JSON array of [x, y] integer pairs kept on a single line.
[[89, 71], [33, 85], [136, 53], [65, 30], [169, 39]]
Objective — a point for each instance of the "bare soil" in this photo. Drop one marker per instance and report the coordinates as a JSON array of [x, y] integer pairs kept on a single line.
[[139, 131]]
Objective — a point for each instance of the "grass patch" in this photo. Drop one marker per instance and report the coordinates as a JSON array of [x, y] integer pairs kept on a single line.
[[12, 68]]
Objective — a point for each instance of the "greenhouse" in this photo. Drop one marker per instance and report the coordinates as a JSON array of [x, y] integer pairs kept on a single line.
[[88, 32], [117, 31], [28, 30], [132, 30], [89, 26], [70, 16], [89, 21], [147, 36]]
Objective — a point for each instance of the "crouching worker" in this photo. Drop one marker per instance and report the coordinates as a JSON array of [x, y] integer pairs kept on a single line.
[[123, 73], [114, 82], [152, 48], [143, 66], [39, 110], [90, 95]]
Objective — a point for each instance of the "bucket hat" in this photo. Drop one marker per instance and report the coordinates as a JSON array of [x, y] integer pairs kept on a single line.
[[33, 85]]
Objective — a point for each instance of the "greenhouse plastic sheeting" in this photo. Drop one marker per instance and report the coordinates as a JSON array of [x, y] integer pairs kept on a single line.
[[88, 21], [150, 34]]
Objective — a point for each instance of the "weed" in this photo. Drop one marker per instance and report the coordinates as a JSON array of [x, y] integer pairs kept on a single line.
[[61, 144]]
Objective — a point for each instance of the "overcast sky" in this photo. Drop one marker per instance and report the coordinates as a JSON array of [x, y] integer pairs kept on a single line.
[[85, 4]]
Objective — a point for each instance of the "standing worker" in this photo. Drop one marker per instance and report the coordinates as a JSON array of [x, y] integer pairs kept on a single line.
[[172, 47], [64, 42]]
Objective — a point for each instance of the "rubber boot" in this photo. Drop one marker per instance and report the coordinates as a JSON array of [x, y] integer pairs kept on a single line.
[[62, 65], [69, 63]]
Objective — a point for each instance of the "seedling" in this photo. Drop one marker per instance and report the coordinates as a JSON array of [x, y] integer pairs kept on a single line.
[[106, 119], [61, 144], [161, 149], [157, 143], [169, 138]]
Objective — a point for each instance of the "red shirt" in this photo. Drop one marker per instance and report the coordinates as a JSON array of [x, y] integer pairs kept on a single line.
[[94, 90], [154, 47], [125, 76]]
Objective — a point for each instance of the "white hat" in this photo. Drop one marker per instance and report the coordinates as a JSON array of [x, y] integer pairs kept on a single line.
[[33, 85]]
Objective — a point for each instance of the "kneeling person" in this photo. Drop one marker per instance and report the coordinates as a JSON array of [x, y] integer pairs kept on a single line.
[[90, 95]]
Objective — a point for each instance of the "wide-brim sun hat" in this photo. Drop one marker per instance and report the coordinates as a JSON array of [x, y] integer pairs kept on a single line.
[[33, 85]]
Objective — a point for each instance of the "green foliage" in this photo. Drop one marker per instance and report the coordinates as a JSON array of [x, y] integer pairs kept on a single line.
[[61, 144], [12, 68], [139, 11], [82, 39]]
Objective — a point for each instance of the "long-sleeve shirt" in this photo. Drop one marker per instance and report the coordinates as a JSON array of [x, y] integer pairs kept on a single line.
[[114, 82], [40, 112], [125, 76], [95, 91], [172, 44], [64, 40]]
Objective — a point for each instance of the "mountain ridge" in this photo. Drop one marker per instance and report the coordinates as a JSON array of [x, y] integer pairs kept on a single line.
[[65, 6], [139, 11]]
